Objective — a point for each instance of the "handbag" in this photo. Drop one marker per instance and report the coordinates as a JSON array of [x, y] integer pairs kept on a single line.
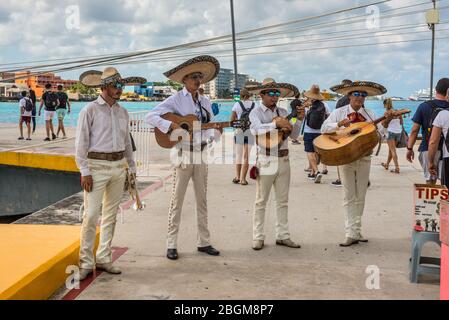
[[254, 171], [403, 141]]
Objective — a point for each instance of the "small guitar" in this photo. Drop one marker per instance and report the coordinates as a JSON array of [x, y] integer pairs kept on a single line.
[[274, 139], [169, 140], [350, 144]]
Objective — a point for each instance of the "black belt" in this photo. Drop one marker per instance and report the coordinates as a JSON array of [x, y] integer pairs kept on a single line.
[[113, 156]]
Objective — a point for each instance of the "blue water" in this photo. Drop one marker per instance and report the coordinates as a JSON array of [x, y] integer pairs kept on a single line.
[[9, 111]]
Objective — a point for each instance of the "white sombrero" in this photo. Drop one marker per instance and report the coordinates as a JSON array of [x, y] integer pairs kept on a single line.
[[110, 75], [286, 89], [208, 66], [371, 88]]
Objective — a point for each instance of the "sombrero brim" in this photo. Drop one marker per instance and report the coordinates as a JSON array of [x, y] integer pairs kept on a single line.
[[287, 90], [207, 65], [92, 78], [371, 88]]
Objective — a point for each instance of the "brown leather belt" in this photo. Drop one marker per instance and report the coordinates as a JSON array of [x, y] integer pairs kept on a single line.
[[113, 156], [279, 153]]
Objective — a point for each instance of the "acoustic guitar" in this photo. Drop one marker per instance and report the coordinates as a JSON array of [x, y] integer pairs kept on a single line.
[[350, 144], [274, 138], [169, 140]]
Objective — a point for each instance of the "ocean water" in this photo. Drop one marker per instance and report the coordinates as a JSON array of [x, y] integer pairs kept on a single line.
[[9, 111]]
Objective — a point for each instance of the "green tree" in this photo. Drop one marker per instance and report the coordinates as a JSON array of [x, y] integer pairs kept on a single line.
[[82, 89]]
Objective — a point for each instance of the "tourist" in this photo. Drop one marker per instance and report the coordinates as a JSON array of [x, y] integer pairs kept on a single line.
[[423, 119], [315, 113], [273, 164], [294, 105], [26, 109], [103, 152], [32, 94], [394, 127], [243, 139], [62, 109], [50, 99], [440, 126]]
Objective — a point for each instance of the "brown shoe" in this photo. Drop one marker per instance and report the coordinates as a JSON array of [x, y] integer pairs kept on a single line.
[[349, 242], [288, 243], [258, 244], [360, 238]]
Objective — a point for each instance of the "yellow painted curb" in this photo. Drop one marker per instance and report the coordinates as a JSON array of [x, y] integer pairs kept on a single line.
[[34, 259], [39, 160]]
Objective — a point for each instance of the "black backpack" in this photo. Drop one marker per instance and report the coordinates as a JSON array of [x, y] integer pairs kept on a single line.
[[435, 111], [28, 105], [316, 115], [62, 96], [246, 112], [51, 100]]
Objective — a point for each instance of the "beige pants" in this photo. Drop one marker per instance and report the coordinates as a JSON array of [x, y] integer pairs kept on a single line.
[[273, 172], [355, 178], [109, 179], [181, 177]]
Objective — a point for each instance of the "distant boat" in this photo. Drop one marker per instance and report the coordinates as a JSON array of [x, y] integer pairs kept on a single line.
[[420, 95]]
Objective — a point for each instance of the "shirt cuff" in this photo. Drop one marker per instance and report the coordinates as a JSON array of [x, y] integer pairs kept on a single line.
[[165, 125], [85, 172]]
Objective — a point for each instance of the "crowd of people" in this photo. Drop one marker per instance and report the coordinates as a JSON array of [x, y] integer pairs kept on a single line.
[[56, 104]]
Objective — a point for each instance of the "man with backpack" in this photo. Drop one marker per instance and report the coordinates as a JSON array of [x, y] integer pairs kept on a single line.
[[316, 113], [26, 109], [243, 140], [51, 101], [296, 103], [61, 110], [423, 119]]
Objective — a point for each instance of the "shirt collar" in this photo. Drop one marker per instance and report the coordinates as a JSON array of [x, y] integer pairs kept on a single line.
[[101, 101], [264, 108], [351, 110]]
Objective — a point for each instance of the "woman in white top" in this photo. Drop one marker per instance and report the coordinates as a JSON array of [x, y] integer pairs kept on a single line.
[[394, 128], [243, 140]]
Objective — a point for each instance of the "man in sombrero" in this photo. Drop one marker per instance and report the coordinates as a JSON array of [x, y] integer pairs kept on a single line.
[[103, 153], [354, 176], [273, 164], [188, 101]]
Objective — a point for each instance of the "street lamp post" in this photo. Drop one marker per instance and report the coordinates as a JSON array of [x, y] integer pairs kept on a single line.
[[233, 43], [432, 20]]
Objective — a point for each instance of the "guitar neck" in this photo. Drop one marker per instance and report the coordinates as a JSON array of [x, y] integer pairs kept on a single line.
[[212, 125]]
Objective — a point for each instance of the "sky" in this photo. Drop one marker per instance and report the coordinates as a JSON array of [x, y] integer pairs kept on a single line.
[[33, 30]]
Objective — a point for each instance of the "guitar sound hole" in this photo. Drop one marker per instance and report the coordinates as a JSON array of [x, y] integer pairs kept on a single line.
[[185, 126], [354, 131]]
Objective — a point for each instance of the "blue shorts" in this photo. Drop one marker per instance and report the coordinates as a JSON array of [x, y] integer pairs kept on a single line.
[[244, 138], [308, 141], [394, 136]]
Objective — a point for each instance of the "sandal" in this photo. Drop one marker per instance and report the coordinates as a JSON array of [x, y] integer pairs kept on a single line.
[[236, 181], [385, 165], [325, 171], [244, 183], [396, 170]]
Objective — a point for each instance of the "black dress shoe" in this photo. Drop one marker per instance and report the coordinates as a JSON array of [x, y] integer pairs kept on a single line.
[[172, 254], [209, 250]]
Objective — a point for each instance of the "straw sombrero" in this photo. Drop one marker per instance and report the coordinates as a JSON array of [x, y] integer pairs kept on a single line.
[[207, 65], [372, 88], [286, 89], [110, 75], [314, 93]]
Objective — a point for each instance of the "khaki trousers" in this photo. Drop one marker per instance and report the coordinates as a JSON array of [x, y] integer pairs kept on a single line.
[[181, 177], [273, 172], [355, 178], [108, 183]]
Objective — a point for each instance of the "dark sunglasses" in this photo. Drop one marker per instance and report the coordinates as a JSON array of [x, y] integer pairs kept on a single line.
[[119, 85], [273, 93], [360, 94]]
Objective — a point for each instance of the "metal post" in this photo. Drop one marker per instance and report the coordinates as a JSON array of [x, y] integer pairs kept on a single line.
[[432, 60], [233, 43]]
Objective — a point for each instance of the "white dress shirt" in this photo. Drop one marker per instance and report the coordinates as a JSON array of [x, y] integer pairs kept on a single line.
[[102, 128], [261, 119], [181, 103], [330, 125]]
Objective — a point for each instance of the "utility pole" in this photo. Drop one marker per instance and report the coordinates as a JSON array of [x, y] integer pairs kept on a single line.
[[234, 47], [433, 18]]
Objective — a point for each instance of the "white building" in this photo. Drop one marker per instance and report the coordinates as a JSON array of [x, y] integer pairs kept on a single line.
[[223, 85]]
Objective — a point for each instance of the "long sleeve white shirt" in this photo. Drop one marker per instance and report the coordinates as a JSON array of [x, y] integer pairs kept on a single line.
[[102, 128], [330, 125], [181, 103], [261, 119]]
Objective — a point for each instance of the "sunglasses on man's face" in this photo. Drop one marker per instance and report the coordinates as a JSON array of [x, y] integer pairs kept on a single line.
[[119, 86], [360, 94], [274, 93]]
